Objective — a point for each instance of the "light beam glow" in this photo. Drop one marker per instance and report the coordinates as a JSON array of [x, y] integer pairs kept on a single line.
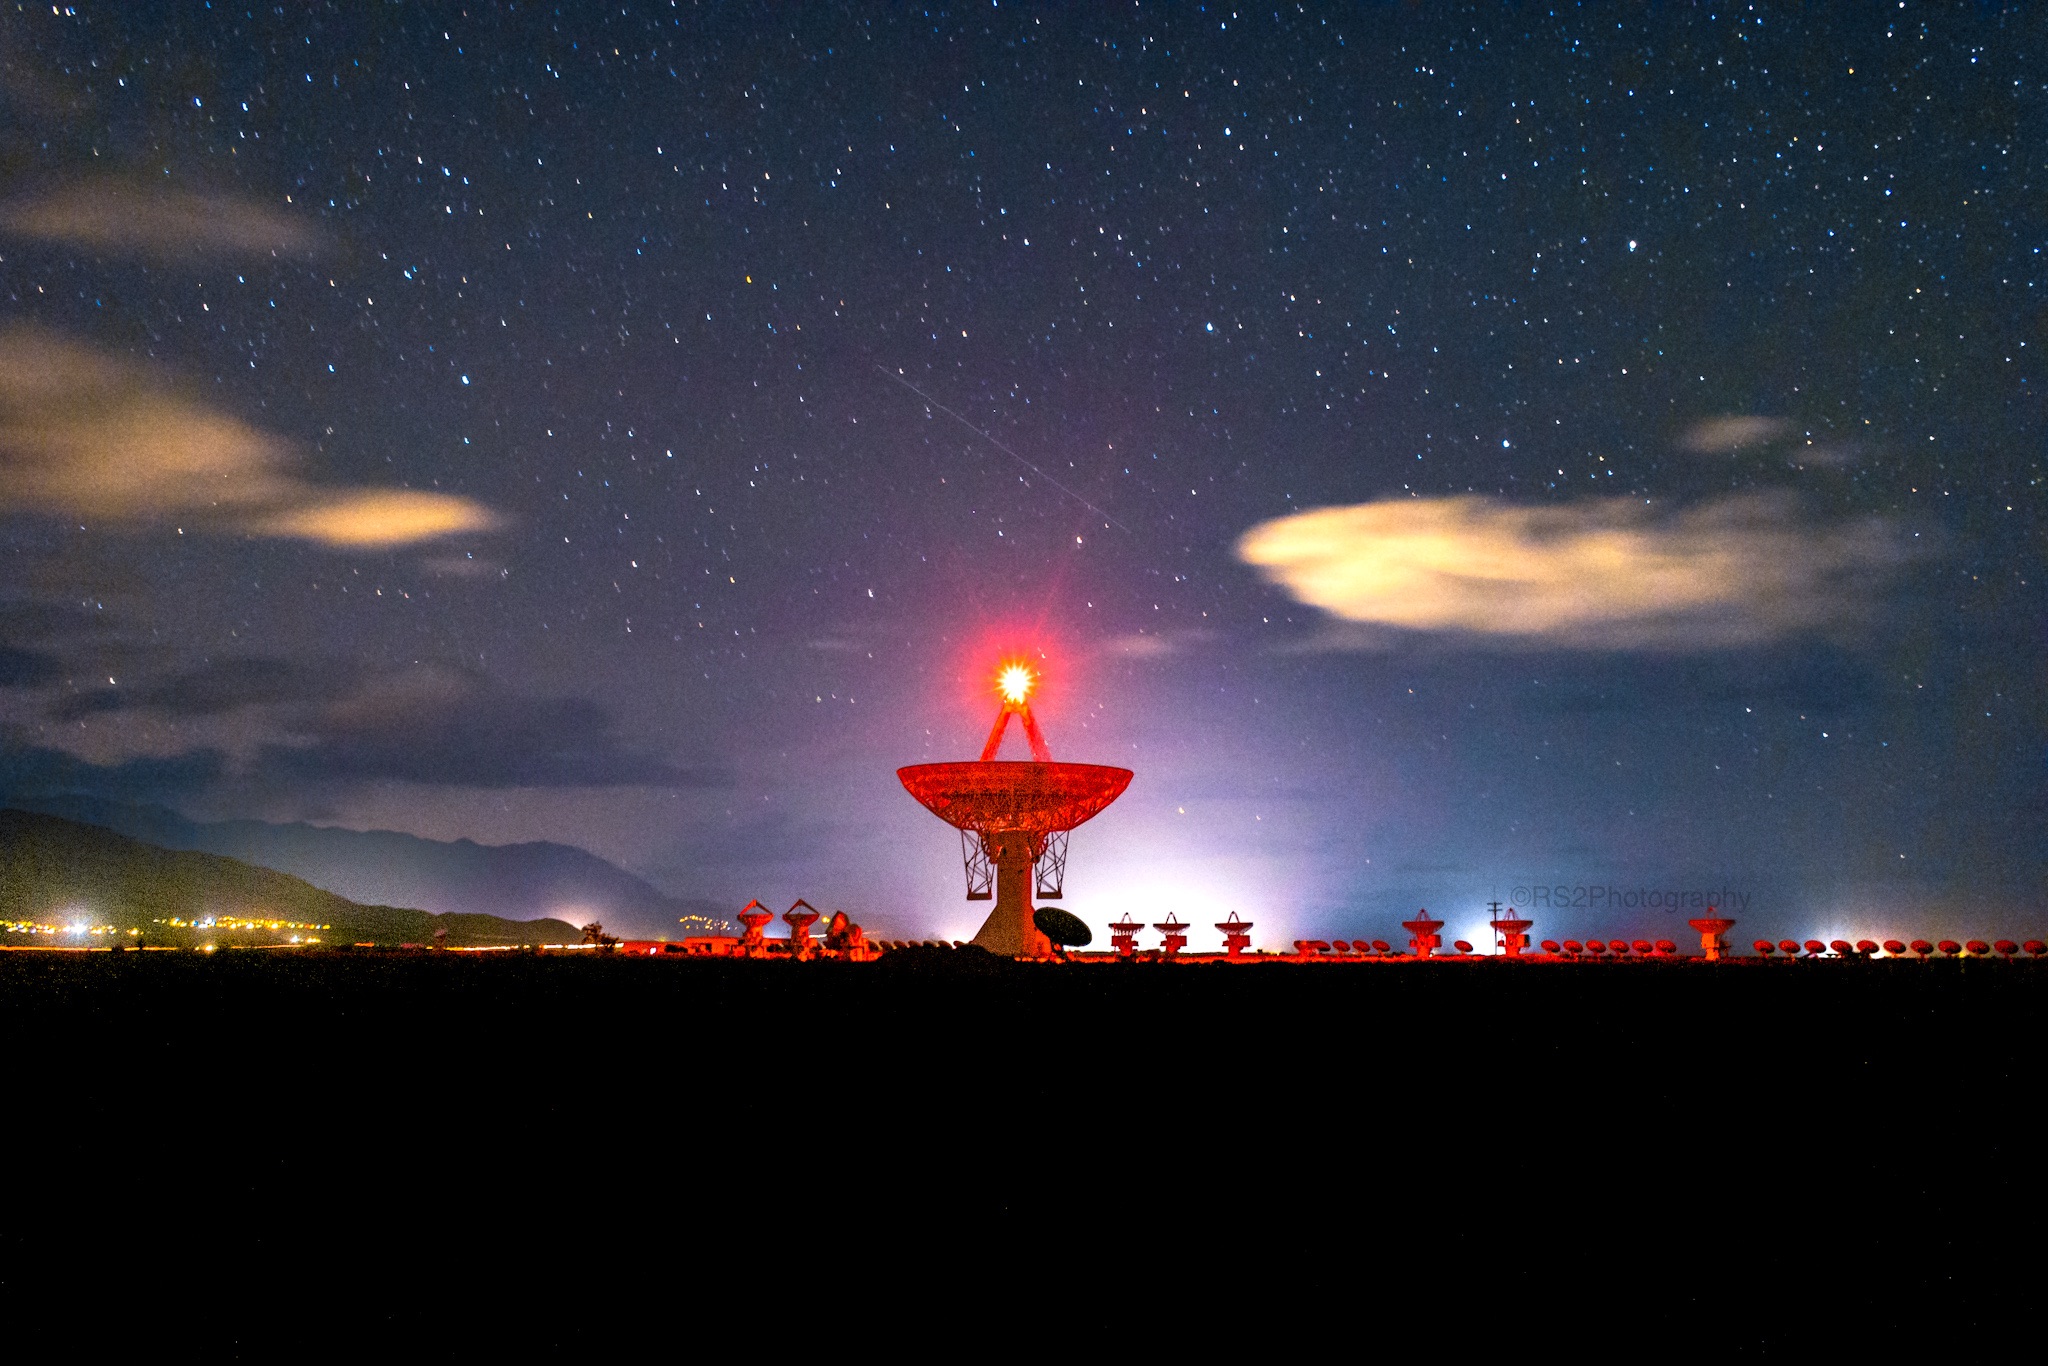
[[1015, 681]]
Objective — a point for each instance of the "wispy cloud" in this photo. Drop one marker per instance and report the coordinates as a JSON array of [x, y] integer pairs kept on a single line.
[[121, 217], [86, 435], [1154, 644], [1595, 574], [218, 686], [28, 668], [466, 565], [271, 724], [83, 433], [1724, 435], [437, 725]]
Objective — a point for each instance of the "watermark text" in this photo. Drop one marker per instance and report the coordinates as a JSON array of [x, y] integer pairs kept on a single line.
[[1605, 896]]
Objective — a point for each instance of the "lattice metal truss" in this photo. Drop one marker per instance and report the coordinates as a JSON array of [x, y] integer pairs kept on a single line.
[[991, 802], [1052, 865], [981, 871]]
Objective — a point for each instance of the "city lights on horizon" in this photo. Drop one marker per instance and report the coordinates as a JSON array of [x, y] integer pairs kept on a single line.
[[73, 928]]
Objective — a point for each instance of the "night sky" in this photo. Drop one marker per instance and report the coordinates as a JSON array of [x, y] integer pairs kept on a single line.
[[1447, 452]]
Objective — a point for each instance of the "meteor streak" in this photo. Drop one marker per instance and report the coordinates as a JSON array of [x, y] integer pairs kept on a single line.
[[1001, 447]]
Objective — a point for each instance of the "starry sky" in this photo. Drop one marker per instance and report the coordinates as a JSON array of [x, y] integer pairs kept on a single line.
[[1585, 456]]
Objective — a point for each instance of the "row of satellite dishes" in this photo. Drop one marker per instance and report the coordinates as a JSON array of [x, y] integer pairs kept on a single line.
[[1424, 943], [1664, 948], [1896, 948]]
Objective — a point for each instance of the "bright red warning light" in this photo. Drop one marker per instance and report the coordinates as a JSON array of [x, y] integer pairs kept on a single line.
[[1014, 682]]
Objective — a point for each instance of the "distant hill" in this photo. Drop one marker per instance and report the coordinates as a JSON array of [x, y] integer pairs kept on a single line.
[[515, 881], [60, 872]]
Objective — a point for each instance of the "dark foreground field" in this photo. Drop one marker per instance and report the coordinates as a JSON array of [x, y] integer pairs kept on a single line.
[[1382, 1052], [1752, 1150]]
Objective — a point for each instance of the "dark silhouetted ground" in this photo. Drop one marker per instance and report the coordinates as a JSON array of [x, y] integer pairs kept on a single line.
[[1749, 1151]]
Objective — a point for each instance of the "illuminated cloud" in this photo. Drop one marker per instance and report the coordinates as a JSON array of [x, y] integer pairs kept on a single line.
[[118, 217], [84, 435], [1726, 435], [378, 519], [1594, 574]]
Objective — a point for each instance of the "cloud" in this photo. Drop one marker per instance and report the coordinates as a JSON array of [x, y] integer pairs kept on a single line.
[[1725, 435], [219, 686], [27, 619], [1593, 574], [28, 668], [119, 217], [1153, 644], [444, 726], [427, 724], [1139, 645], [38, 771], [464, 566], [378, 518], [84, 435], [1833, 455]]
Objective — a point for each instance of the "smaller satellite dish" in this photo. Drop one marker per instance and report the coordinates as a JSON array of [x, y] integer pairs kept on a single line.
[[1062, 927], [1461, 946], [1895, 948], [1766, 947]]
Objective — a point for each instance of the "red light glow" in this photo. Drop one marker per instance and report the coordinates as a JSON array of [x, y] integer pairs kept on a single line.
[[1014, 681]]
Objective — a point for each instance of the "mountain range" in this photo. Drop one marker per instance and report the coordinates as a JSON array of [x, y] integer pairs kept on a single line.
[[56, 874], [527, 881]]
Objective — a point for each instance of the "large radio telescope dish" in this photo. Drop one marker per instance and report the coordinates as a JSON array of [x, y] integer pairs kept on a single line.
[[1011, 813]]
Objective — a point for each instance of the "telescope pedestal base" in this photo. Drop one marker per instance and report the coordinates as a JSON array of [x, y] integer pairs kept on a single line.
[[1008, 929]]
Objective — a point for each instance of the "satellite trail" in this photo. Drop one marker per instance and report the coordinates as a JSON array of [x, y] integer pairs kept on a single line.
[[1004, 449]]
